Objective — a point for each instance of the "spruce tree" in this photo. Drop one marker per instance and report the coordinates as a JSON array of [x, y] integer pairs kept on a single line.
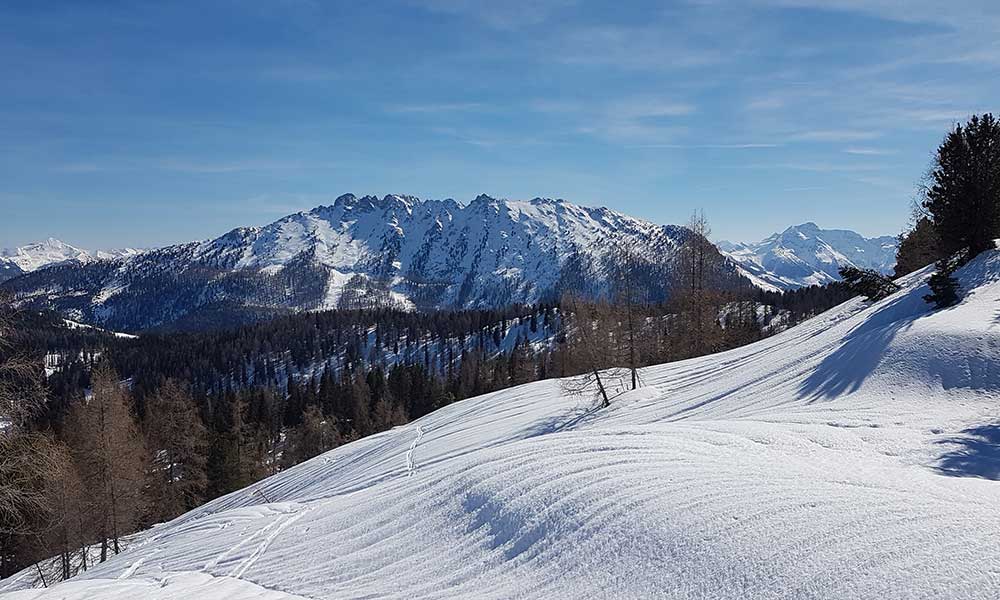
[[944, 286], [918, 248], [964, 198]]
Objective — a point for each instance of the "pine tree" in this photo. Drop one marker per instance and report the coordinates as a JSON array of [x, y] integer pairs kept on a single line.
[[964, 201], [944, 286], [867, 282], [918, 247], [964, 197]]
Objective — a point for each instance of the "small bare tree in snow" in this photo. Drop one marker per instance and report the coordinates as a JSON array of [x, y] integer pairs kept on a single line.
[[590, 350]]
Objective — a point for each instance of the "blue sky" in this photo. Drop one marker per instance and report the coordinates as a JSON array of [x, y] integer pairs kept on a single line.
[[149, 123]]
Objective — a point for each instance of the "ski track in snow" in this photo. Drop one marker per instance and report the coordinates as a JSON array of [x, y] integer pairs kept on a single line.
[[409, 453], [278, 527], [130, 571], [849, 458]]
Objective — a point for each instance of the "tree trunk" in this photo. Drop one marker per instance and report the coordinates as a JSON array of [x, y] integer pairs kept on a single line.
[[600, 386], [42, 575]]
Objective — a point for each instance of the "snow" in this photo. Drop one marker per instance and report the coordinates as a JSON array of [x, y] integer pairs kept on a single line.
[[75, 325], [40, 254], [166, 587], [497, 244], [852, 456], [37, 255], [805, 255]]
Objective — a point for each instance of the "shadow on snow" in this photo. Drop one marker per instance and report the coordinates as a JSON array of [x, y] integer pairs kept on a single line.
[[976, 453], [861, 350]]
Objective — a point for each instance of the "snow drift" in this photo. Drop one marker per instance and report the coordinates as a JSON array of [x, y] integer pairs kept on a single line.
[[853, 456]]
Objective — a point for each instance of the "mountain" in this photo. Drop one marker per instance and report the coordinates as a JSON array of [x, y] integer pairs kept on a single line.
[[34, 256], [9, 269], [850, 457], [366, 251], [40, 254], [805, 255]]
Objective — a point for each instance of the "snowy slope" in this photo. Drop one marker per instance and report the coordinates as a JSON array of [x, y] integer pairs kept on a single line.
[[852, 456], [805, 255]]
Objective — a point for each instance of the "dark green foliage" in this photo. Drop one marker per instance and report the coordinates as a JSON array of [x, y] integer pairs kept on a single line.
[[868, 283], [917, 248], [944, 286], [807, 302], [964, 200]]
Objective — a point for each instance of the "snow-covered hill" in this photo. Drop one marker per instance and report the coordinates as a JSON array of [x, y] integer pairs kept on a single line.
[[805, 255], [853, 456], [395, 250], [34, 256]]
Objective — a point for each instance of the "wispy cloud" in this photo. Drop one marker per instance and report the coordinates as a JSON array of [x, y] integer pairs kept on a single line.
[[767, 103], [444, 107], [648, 47], [192, 166], [805, 188], [649, 107], [635, 119], [869, 151], [814, 167], [185, 166], [478, 137], [834, 135], [707, 146]]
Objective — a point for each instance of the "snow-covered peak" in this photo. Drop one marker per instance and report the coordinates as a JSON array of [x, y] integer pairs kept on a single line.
[[117, 253], [51, 251], [469, 252], [806, 254], [41, 254]]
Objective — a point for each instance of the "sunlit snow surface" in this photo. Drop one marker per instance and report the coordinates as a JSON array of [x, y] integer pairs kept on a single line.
[[853, 456]]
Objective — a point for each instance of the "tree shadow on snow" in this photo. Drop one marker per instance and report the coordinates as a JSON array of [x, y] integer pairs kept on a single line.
[[976, 453], [846, 368], [579, 415]]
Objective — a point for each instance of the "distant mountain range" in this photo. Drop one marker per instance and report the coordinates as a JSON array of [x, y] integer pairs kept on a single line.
[[396, 251], [403, 252], [31, 257], [805, 255]]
